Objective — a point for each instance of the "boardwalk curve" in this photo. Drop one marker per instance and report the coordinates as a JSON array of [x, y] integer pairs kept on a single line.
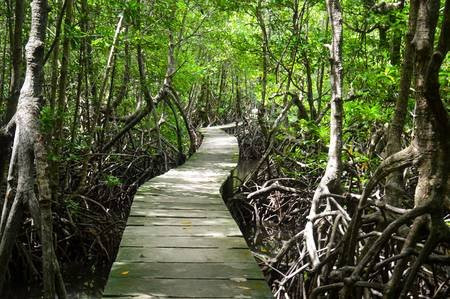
[[180, 240]]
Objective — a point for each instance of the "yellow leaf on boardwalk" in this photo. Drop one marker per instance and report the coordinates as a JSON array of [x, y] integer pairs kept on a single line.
[[186, 222]]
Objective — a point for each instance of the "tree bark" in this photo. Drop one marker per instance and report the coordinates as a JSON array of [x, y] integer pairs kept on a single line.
[[29, 150], [265, 66], [16, 60], [62, 92], [330, 182], [181, 156], [4, 63], [15, 36], [394, 188], [430, 136], [108, 68], [73, 129], [425, 128], [54, 49], [192, 139]]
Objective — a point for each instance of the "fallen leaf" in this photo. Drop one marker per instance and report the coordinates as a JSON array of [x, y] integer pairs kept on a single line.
[[186, 222], [238, 279]]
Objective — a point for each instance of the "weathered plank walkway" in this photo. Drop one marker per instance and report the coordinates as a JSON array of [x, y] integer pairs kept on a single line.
[[181, 241]]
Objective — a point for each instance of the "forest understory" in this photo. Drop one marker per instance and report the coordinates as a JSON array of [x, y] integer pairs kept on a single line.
[[272, 211], [90, 222]]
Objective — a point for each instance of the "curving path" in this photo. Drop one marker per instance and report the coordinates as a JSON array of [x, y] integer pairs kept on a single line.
[[180, 240]]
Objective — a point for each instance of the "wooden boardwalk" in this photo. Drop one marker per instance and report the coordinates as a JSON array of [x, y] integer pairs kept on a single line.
[[180, 240]]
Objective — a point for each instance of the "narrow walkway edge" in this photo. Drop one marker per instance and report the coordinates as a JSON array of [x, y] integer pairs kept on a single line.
[[180, 240]]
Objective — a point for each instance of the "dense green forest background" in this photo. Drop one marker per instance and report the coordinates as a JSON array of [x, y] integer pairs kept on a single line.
[[120, 89]]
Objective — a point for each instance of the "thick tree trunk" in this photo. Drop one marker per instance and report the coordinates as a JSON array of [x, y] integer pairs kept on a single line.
[[29, 150], [430, 139], [428, 152]]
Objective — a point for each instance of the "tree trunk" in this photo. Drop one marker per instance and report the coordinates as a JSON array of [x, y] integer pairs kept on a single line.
[[108, 68], [309, 85], [181, 156], [123, 90], [28, 150], [396, 41], [265, 66], [330, 182], [16, 60], [76, 113], [16, 77], [431, 140], [238, 98], [55, 51], [90, 89], [192, 138], [62, 92], [4, 64], [394, 189]]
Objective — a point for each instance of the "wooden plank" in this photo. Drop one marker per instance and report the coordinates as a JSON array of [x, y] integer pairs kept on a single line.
[[141, 296], [186, 242], [184, 255], [212, 206], [186, 198], [184, 230], [153, 191], [135, 221], [179, 213], [186, 270], [197, 288]]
